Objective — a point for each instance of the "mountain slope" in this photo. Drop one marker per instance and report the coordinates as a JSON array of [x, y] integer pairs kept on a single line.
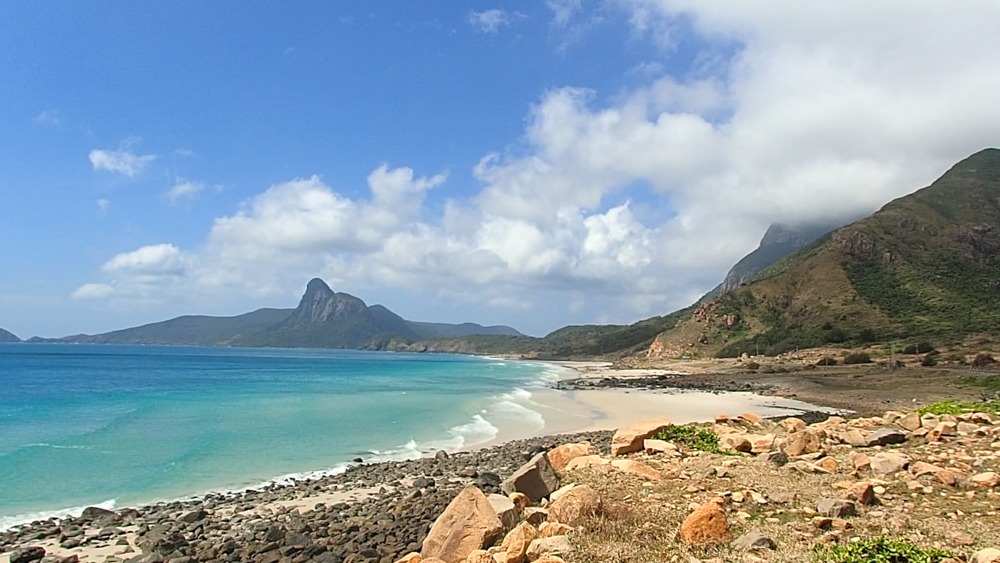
[[191, 330], [7, 336], [927, 264]]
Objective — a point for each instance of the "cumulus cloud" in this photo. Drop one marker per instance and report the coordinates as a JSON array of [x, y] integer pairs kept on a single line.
[[93, 291], [122, 161], [609, 209], [563, 10], [489, 21]]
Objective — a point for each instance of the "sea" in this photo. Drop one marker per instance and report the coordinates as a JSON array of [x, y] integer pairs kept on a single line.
[[116, 425]]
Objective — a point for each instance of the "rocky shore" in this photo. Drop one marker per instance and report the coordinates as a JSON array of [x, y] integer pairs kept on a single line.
[[393, 507]]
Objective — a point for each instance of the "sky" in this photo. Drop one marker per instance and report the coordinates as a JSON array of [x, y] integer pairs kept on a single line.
[[536, 164]]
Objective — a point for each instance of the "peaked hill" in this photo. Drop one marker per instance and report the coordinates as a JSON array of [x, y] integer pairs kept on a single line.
[[7, 336], [323, 319], [925, 265]]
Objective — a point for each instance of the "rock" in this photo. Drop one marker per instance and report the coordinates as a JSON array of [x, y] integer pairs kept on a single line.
[[577, 504], [561, 455], [828, 463], [735, 443], [27, 554], [480, 556], [985, 479], [520, 500], [941, 430], [98, 516], [517, 541], [836, 508], [988, 555], [467, 524], [853, 437], [561, 491], [441, 455], [792, 424], [410, 558], [860, 461], [193, 516], [553, 545], [800, 443], [629, 439], [910, 422], [705, 526], [754, 539], [535, 515], [752, 418], [885, 437], [536, 479], [637, 468], [774, 458], [760, 443], [654, 446], [549, 529], [586, 461], [887, 463], [863, 493], [505, 509]]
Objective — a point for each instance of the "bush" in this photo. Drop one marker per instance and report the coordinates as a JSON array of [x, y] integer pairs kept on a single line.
[[867, 335], [929, 360], [753, 366], [922, 347], [960, 407], [690, 436], [826, 362], [835, 336], [982, 360], [880, 550], [857, 358]]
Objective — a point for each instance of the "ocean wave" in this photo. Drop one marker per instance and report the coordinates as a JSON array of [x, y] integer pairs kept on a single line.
[[520, 413], [9, 522], [57, 447]]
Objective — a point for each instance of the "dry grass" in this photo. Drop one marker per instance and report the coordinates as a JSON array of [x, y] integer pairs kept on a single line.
[[641, 519]]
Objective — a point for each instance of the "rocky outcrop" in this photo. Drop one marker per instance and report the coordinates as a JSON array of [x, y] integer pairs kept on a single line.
[[6, 336], [467, 524], [629, 439], [535, 479]]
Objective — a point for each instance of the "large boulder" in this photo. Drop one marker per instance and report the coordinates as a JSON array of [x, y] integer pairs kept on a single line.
[[707, 525], [505, 509], [27, 554], [467, 524], [560, 456], [577, 504], [629, 439], [801, 443], [636, 468], [536, 479]]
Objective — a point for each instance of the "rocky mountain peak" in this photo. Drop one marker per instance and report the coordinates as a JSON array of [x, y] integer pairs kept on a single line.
[[321, 304], [6, 336]]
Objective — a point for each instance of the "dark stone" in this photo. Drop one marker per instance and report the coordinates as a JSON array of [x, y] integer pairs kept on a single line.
[[754, 539], [536, 479], [423, 482], [836, 508], [194, 516], [27, 554]]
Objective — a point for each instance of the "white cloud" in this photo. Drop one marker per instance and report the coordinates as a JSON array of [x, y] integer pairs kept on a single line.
[[563, 10], [489, 21], [121, 161], [618, 208], [49, 118], [93, 291], [184, 189], [103, 205]]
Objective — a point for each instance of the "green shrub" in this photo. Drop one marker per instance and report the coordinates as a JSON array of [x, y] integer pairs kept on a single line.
[[692, 437], [867, 335], [880, 550], [960, 407], [857, 358], [826, 362]]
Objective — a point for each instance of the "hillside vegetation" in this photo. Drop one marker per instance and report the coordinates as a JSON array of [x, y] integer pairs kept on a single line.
[[925, 265]]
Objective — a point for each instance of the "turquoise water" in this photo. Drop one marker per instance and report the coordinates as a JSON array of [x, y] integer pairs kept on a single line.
[[123, 425]]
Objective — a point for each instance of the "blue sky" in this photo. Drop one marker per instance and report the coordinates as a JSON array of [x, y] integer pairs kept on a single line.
[[527, 163]]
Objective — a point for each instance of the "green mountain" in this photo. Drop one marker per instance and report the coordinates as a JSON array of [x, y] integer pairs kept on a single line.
[[925, 265], [323, 319], [7, 336]]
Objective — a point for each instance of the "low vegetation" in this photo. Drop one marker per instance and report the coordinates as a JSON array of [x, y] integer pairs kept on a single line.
[[692, 437], [960, 407], [880, 550]]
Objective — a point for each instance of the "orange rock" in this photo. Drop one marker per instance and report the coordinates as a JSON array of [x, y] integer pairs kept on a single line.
[[515, 545], [705, 526], [467, 524], [792, 424], [800, 443], [577, 504], [559, 456], [638, 468], [829, 464], [586, 461], [549, 529], [862, 493], [628, 439]]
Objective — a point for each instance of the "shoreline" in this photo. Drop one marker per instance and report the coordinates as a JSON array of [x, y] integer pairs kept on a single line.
[[565, 411]]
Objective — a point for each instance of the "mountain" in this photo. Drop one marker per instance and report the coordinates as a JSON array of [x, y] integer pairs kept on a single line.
[[7, 336], [323, 319], [925, 265]]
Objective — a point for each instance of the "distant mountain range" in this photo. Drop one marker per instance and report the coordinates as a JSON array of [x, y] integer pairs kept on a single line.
[[323, 319], [7, 336]]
